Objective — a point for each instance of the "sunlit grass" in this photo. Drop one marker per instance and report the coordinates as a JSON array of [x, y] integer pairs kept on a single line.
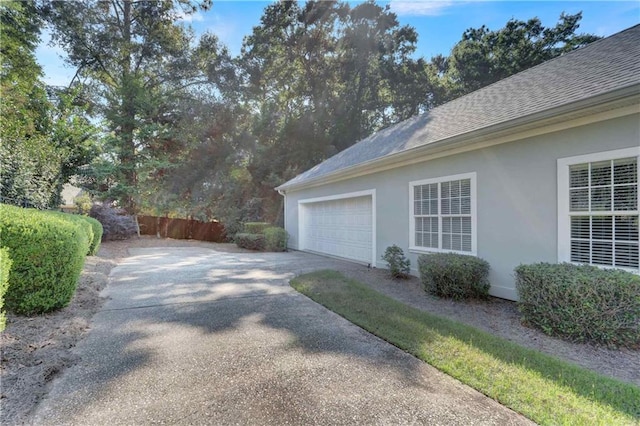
[[542, 388]]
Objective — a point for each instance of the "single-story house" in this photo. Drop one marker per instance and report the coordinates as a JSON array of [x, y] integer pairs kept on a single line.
[[539, 167]]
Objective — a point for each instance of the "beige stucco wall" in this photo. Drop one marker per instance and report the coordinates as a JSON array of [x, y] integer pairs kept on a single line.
[[516, 195]]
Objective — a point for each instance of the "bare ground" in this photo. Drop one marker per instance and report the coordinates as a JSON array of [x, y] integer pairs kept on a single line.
[[36, 349]]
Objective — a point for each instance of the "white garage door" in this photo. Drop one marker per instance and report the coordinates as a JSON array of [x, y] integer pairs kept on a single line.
[[341, 227]]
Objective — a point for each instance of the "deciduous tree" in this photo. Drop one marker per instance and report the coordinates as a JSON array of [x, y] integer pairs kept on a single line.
[[44, 134]]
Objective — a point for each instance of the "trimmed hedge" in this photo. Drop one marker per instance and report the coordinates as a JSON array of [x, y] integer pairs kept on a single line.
[[97, 235], [455, 276], [78, 220], [48, 253], [581, 303], [256, 227], [5, 268], [250, 241], [275, 239]]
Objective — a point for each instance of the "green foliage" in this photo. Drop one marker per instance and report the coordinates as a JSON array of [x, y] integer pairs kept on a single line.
[[322, 76], [256, 227], [5, 270], [146, 73], [45, 136], [48, 253], [97, 235], [250, 241], [79, 221], [83, 203], [484, 56], [399, 266], [453, 275], [275, 238], [580, 302]]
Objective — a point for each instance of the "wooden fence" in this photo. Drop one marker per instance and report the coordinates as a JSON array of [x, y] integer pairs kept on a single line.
[[181, 229]]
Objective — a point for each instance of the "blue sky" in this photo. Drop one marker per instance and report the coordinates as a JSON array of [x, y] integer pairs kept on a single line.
[[440, 24]]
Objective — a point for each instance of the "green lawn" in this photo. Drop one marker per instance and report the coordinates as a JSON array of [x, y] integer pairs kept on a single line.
[[541, 387]]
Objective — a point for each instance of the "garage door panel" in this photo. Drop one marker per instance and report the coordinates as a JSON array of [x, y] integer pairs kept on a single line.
[[342, 228]]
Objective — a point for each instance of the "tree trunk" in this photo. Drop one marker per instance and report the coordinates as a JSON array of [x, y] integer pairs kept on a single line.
[[128, 148]]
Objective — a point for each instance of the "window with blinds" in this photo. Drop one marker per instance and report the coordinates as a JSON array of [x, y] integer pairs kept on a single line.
[[442, 214], [603, 212]]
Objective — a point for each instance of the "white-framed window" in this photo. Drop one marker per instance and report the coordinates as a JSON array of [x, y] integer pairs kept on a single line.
[[443, 214], [598, 209]]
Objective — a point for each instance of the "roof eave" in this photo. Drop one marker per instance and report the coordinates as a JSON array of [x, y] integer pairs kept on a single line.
[[589, 105]]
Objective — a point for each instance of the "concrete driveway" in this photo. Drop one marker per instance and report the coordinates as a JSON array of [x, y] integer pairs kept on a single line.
[[196, 336]]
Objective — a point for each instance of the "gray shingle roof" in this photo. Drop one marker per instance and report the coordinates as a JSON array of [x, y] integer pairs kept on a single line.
[[603, 66]]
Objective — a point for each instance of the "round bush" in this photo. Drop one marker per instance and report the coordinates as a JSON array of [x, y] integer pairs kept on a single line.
[[48, 253], [79, 221], [455, 276], [275, 239], [581, 303]]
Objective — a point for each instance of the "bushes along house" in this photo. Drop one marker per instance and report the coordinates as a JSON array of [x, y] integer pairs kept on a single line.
[[452, 275], [581, 303]]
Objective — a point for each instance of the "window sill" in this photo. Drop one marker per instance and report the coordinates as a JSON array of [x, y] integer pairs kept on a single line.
[[622, 268], [424, 250]]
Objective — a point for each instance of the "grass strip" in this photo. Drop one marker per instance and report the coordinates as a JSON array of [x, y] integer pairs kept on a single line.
[[541, 387]]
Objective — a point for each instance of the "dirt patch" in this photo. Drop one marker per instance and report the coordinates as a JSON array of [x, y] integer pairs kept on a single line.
[[501, 318], [35, 349]]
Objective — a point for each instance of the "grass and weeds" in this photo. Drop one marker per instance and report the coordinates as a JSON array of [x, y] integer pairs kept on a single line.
[[542, 388]]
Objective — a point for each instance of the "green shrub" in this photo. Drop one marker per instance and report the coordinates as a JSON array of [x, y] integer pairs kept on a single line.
[[79, 221], [250, 241], [581, 303], [48, 252], [5, 267], [456, 276], [256, 227], [97, 235], [399, 265], [275, 239]]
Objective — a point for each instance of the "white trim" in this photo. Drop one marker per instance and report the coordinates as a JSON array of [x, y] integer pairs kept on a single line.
[[472, 176], [302, 216], [284, 217], [338, 196], [564, 219]]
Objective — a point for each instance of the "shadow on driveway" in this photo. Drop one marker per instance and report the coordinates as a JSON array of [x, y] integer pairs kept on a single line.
[[191, 335]]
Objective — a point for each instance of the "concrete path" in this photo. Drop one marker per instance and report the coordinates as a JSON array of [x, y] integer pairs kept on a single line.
[[195, 336]]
